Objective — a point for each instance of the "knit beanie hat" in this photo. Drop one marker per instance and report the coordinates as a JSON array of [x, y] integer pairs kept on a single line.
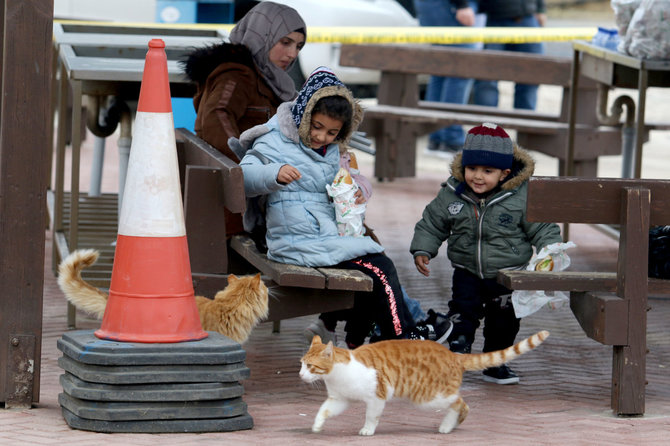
[[488, 145]]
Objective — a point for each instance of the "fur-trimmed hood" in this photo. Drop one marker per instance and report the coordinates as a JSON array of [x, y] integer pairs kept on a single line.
[[523, 168], [202, 61]]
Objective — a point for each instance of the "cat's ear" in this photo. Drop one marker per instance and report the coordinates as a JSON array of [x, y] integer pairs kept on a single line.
[[316, 339], [257, 278], [232, 278], [328, 352]]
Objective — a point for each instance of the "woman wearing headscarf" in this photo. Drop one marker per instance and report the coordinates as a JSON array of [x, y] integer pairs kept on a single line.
[[241, 83]]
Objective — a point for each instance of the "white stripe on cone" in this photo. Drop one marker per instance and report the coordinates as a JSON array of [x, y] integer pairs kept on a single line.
[[152, 204]]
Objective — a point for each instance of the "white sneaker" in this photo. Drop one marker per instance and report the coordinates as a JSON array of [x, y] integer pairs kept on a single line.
[[319, 328]]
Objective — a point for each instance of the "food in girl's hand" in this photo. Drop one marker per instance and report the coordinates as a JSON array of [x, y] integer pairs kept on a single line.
[[353, 164], [546, 264], [343, 176], [348, 214]]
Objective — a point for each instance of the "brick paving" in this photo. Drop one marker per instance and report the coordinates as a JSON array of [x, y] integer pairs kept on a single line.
[[563, 397]]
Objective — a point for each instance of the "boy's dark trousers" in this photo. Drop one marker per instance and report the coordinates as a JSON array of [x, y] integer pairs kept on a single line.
[[474, 299]]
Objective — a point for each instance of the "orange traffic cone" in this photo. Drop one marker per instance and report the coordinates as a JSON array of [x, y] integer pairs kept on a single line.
[[151, 296]]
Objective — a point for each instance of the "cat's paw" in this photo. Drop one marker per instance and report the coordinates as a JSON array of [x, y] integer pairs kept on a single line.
[[450, 421], [446, 429], [366, 431], [316, 428]]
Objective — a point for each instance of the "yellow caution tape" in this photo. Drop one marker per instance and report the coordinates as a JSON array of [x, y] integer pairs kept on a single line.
[[416, 34]]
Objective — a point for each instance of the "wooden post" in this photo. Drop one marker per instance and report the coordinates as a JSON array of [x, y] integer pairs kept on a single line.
[[24, 153], [396, 155], [629, 361]]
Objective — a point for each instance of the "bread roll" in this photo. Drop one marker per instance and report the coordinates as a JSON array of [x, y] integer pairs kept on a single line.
[[353, 163], [546, 264]]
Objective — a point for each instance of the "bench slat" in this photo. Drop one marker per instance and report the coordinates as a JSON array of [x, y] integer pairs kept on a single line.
[[346, 279], [572, 281], [424, 59], [558, 280], [590, 200], [428, 116], [489, 110], [281, 273]]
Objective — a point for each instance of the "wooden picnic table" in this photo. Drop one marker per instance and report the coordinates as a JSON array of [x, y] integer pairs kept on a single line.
[[614, 69]]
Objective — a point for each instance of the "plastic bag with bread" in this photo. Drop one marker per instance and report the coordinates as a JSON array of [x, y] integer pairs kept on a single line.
[[348, 214], [550, 258]]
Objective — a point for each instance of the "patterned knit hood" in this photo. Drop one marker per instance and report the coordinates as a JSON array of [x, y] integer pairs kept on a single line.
[[322, 83]]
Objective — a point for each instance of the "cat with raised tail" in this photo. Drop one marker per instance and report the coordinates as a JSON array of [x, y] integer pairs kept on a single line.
[[233, 312], [423, 372]]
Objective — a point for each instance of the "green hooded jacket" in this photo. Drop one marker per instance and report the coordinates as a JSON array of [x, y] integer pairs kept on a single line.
[[484, 235]]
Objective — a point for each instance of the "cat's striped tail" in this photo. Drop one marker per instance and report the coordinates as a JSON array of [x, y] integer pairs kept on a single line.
[[81, 294], [483, 361]]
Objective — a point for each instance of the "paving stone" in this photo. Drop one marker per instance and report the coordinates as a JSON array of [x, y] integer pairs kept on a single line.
[[83, 346], [241, 422], [149, 392], [145, 374], [153, 410]]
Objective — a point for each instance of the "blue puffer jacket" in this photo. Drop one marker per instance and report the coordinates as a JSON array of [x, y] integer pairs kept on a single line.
[[301, 227]]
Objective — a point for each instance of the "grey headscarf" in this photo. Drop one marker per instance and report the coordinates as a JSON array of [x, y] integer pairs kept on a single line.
[[259, 30]]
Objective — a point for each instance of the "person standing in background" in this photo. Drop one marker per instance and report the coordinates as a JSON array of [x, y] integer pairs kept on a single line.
[[454, 90], [511, 13]]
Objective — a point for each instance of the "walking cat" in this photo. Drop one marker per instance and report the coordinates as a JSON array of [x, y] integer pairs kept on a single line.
[[424, 372], [233, 312]]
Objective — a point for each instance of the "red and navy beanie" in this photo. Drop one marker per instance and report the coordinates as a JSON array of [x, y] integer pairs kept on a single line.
[[488, 145]]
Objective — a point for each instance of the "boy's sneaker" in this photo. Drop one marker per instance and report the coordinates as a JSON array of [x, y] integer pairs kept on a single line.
[[319, 328], [460, 345], [501, 375], [436, 327]]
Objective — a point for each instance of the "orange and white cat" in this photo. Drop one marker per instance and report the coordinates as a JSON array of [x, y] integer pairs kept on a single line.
[[233, 312], [423, 372]]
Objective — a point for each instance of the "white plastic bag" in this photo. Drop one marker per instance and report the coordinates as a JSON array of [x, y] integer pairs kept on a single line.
[[648, 34], [527, 302], [623, 13], [348, 214]]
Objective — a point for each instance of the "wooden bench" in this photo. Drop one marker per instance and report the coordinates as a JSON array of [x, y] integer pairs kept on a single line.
[[211, 183], [611, 307], [400, 117]]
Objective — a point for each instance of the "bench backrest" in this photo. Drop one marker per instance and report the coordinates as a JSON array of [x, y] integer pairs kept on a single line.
[[212, 185], [592, 200], [459, 62], [196, 152]]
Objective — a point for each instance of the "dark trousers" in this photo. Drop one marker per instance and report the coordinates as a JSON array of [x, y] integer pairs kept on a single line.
[[383, 306], [474, 299]]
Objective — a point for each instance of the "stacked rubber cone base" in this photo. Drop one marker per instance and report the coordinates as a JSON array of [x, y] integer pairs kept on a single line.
[[114, 386]]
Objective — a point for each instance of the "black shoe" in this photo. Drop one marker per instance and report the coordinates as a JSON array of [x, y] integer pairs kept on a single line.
[[500, 375], [460, 345], [435, 328]]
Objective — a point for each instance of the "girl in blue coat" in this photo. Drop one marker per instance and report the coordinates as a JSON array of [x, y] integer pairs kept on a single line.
[[292, 159]]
